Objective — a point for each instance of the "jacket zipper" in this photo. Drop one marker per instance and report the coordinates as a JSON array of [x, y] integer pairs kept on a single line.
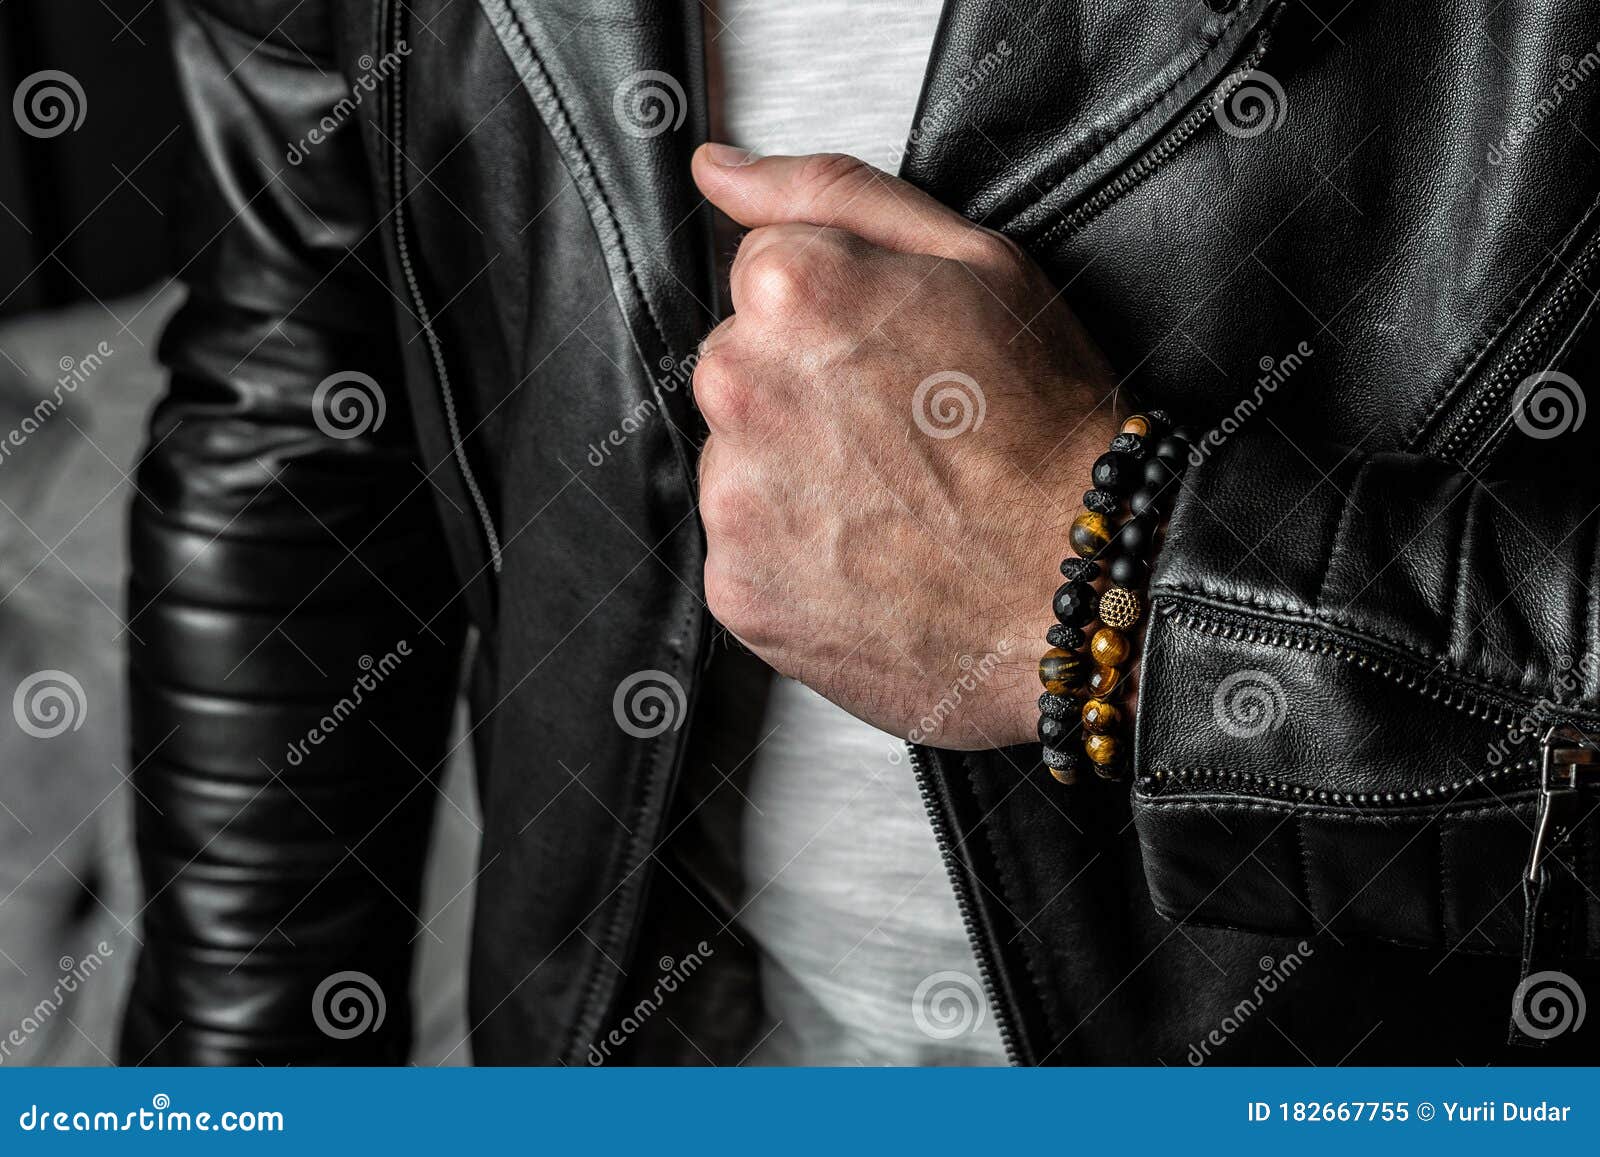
[[1005, 1015], [414, 290], [1543, 336], [1161, 152], [1203, 780]]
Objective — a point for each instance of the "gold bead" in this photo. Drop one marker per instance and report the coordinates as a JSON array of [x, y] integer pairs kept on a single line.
[[1119, 607], [1066, 775], [1110, 646], [1137, 424], [1102, 681], [1099, 716], [1090, 534], [1102, 749]]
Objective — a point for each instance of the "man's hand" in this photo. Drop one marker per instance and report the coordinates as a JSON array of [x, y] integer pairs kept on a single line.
[[903, 414]]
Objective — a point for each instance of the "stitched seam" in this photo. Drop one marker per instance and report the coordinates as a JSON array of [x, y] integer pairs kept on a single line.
[[1305, 869], [1458, 596], [1338, 531], [1472, 355], [1100, 142], [1511, 697]]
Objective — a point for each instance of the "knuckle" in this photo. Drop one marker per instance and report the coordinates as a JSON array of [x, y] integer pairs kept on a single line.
[[829, 179], [721, 392], [777, 278]]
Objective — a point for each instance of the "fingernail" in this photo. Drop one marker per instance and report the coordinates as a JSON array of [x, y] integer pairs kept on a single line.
[[728, 156]]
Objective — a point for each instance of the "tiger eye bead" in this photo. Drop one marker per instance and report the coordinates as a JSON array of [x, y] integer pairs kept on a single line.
[[1062, 672], [1099, 716], [1137, 424], [1103, 749], [1102, 681], [1090, 534], [1110, 647]]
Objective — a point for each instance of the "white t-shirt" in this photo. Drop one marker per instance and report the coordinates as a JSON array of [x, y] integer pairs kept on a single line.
[[864, 956]]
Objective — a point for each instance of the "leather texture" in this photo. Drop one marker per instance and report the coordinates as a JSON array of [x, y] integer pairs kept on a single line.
[[1372, 539]]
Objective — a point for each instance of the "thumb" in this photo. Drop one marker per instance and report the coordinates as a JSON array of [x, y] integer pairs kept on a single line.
[[832, 191]]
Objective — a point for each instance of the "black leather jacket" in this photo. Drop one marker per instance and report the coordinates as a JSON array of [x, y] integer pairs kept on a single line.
[[1339, 237]]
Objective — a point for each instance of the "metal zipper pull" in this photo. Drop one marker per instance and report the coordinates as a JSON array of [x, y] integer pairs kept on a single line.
[[1569, 762]]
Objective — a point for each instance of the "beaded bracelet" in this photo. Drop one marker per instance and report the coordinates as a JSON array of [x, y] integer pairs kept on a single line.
[[1143, 465]]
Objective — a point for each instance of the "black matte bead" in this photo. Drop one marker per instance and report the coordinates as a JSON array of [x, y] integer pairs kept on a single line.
[[1173, 450], [1136, 537], [1074, 603], [1129, 571], [1182, 434], [1100, 501], [1055, 732], [1130, 444], [1160, 471], [1080, 568], [1145, 500], [1115, 471], [1058, 706], [1065, 637]]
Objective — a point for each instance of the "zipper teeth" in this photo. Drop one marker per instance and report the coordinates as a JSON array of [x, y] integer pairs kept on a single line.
[[1235, 627], [1162, 152], [424, 319], [1531, 351], [1477, 704], [1244, 782], [980, 946]]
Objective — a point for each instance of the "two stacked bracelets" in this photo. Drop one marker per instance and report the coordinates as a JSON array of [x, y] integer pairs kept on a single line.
[[1084, 672]]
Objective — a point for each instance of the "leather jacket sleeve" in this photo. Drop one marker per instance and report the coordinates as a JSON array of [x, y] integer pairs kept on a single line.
[[1351, 659], [294, 643]]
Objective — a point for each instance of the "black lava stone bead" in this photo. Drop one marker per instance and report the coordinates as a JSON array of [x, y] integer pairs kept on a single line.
[[1160, 419], [1065, 637], [1100, 501], [1080, 568], [1054, 732], [1129, 444], [1074, 603], [1116, 472], [1058, 707], [1129, 571]]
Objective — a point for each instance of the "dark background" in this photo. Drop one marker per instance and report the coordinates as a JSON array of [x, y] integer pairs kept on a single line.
[[79, 213]]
